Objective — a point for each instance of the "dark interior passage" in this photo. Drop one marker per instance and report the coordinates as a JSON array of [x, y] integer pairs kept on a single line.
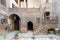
[[46, 14], [51, 31], [30, 26], [16, 20]]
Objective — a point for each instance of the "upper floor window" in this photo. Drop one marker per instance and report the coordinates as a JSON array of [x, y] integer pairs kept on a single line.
[[3, 2], [46, 15]]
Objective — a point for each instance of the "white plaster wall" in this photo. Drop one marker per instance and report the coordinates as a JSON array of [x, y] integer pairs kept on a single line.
[[22, 5], [36, 3], [13, 1], [30, 3], [33, 3]]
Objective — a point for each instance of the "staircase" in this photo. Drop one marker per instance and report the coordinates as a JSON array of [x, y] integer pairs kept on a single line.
[[42, 28]]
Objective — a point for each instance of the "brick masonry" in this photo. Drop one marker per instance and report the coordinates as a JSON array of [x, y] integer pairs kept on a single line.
[[31, 14]]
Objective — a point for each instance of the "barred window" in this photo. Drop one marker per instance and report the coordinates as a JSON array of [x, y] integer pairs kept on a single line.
[[3, 2]]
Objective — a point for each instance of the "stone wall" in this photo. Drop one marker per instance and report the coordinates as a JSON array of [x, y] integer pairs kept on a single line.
[[27, 15], [31, 14]]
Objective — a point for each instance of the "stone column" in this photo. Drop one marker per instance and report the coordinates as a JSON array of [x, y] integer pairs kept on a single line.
[[24, 3], [19, 3]]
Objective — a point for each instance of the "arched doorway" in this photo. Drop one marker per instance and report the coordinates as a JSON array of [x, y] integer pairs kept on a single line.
[[30, 26], [15, 21], [51, 31]]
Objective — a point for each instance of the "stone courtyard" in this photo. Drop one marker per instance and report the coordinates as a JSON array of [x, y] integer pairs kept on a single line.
[[33, 19]]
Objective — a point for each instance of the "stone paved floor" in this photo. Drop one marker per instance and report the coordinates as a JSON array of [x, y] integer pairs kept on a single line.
[[27, 36]]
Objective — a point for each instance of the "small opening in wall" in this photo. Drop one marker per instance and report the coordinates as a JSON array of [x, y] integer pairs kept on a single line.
[[30, 26], [51, 31], [46, 15]]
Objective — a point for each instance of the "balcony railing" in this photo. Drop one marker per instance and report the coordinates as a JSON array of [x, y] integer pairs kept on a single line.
[[50, 20]]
